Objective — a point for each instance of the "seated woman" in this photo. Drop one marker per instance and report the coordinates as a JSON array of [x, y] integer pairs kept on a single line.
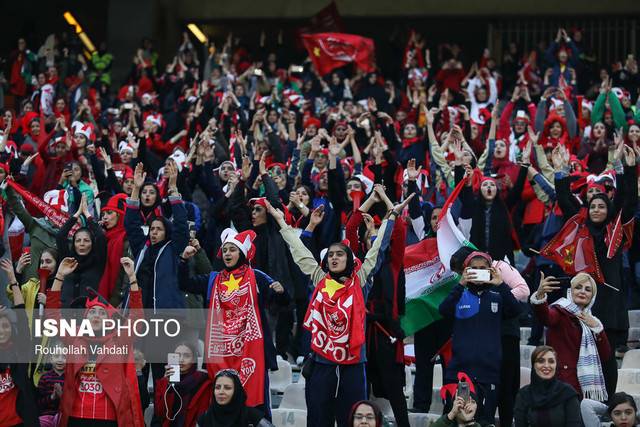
[[228, 407], [621, 409], [365, 414], [547, 401], [194, 390], [577, 336]]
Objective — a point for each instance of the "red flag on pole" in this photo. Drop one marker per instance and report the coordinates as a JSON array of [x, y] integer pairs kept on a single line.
[[332, 50]]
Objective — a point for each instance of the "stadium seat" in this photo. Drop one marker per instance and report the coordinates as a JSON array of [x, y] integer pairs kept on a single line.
[[408, 382], [629, 381], [437, 406], [437, 375], [289, 417], [422, 420], [525, 355], [634, 318], [293, 397], [525, 333], [525, 376], [634, 337], [280, 379], [631, 360], [384, 406]]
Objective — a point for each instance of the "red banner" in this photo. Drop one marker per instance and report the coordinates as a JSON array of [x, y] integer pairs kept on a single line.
[[235, 339], [333, 50]]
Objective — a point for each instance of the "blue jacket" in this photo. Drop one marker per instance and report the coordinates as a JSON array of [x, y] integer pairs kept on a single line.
[[166, 292], [477, 324]]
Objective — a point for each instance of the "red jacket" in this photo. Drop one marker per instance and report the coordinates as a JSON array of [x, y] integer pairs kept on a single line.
[[564, 334], [118, 379]]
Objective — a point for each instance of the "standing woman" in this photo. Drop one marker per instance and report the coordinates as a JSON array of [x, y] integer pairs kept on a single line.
[[547, 401], [88, 248], [110, 286], [99, 390], [17, 393], [578, 337], [336, 319]]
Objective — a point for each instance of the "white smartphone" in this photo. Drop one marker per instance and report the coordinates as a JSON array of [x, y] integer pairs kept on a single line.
[[481, 275], [173, 360]]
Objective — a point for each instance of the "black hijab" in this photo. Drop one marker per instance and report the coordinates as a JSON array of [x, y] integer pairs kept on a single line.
[[88, 261], [544, 394], [348, 271], [233, 414]]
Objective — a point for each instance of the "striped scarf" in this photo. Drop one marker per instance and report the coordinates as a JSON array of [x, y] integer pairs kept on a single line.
[[589, 369]]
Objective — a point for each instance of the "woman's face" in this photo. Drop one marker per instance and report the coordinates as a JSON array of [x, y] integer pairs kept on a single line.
[[335, 79], [634, 133], [340, 132], [555, 130], [127, 186], [96, 315], [481, 94], [34, 127], [353, 185], [320, 161], [520, 126], [187, 358], [223, 390], [474, 131], [80, 140], [364, 416], [278, 175], [467, 157], [226, 169], [623, 415], [82, 242], [434, 218], [598, 130], [76, 172], [597, 211], [5, 330], [323, 182], [500, 151], [60, 104], [148, 196], [489, 190], [258, 215], [272, 116], [410, 131], [303, 195], [126, 156], [337, 259], [48, 262], [230, 254], [157, 232], [109, 219], [582, 293], [545, 365]]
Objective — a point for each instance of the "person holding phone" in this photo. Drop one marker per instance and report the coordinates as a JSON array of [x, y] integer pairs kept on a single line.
[[547, 401], [185, 401], [577, 336], [478, 308], [463, 406]]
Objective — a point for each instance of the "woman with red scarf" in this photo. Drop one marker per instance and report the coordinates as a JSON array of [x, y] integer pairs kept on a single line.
[[99, 390], [110, 286], [336, 319]]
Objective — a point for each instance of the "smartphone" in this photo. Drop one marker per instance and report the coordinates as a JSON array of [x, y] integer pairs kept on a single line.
[[482, 275], [192, 229], [564, 280], [173, 360], [296, 68], [127, 105], [257, 72], [26, 250], [463, 390]]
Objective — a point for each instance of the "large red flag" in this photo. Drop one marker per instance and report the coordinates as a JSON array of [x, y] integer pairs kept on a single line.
[[332, 50]]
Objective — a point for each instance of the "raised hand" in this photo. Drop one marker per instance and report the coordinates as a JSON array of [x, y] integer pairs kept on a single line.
[[398, 208], [139, 175], [547, 284], [412, 172], [317, 215], [66, 267], [247, 167], [188, 252]]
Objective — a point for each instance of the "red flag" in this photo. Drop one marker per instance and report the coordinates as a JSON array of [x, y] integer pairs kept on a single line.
[[332, 50], [572, 248]]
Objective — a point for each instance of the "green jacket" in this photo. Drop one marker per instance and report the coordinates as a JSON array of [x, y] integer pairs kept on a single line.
[[41, 233], [101, 65], [616, 110]]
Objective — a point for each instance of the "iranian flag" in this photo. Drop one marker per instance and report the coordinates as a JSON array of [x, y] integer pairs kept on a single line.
[[426, 269]]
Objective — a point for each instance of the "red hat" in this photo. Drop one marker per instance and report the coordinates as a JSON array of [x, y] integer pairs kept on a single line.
[[312, 121], [97, 302], [262, 201], [117, 203], [243, 240], [27, 149]]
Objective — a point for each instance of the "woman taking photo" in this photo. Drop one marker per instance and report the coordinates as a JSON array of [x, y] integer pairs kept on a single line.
[[576, 335], [547, 401], [229, 407], [181, 404]]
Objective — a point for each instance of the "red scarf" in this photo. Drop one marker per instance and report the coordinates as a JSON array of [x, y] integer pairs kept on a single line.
[[408, 142], [235, 339], [336, 318], [115, 246]]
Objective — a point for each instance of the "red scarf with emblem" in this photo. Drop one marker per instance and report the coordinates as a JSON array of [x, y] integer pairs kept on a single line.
[[335, 317], [234, 331]]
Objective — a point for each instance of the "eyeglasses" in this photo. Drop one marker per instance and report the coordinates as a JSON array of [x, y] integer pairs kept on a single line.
[[360, 417]]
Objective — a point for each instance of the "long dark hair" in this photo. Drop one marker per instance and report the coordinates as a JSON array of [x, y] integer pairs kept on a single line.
[[620, 398]]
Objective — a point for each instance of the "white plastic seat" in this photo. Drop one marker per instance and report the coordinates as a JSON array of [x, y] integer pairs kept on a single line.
[[289, 417], [629, 381], [525, 376], [280, 379], [384, 406], [422, 420], [634, 318], [408, 382], [525, 334], [634, 337], [631, 360], [437, 375], [437, 405], [525, 355], [293, 397]]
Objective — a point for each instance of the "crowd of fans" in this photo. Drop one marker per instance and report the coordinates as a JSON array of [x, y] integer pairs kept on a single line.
[[246, 183]]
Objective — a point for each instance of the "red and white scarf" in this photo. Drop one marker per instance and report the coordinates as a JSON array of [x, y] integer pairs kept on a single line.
[[336, 317], [235, 339]]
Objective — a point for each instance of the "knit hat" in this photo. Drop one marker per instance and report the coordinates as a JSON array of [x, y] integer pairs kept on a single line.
[[243, 240]]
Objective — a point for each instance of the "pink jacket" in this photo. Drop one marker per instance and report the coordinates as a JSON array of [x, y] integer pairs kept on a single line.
[[513, 279]]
